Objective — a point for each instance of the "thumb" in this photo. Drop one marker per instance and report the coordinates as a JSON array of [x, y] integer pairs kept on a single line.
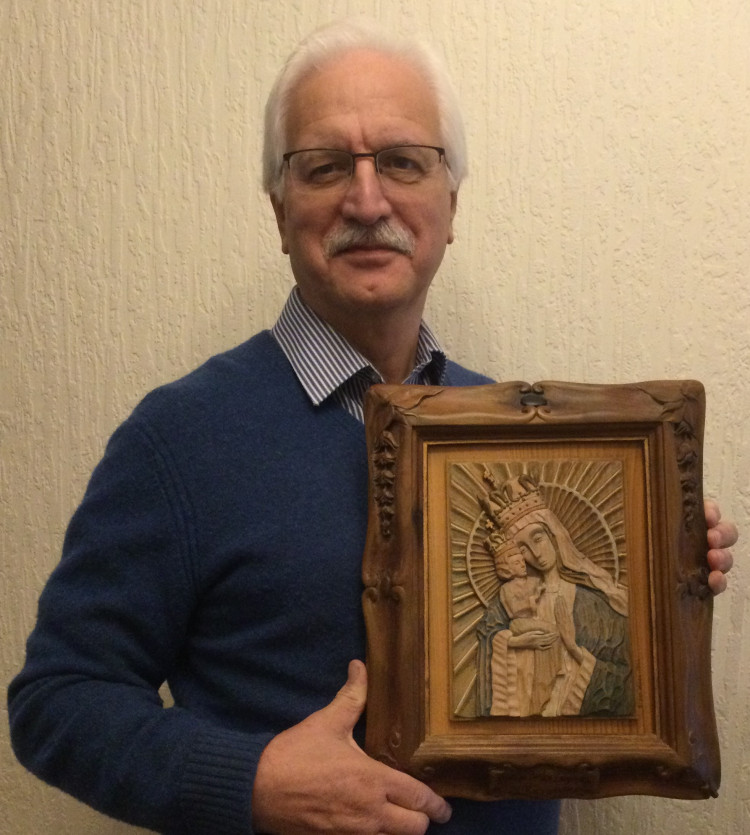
[[347, 706]]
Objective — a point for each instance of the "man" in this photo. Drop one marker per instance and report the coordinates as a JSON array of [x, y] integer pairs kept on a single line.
[[219, 542]]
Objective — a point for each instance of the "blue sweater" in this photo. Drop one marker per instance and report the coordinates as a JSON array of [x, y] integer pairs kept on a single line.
[[218, 546]]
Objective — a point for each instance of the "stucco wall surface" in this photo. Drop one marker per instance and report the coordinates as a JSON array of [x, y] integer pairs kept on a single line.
[[603, 235]]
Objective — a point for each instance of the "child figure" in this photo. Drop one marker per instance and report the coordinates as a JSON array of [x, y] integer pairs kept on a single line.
[[520, 595]]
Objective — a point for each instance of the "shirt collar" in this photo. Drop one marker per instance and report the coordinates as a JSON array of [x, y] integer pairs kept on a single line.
[[323, 360]]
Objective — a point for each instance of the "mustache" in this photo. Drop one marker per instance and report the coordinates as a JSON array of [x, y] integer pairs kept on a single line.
[[383, 234]]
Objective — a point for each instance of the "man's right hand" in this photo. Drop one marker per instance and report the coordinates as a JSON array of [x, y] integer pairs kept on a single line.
[[313, 777]]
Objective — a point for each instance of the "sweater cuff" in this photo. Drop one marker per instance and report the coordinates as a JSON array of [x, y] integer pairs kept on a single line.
[[217, 785]]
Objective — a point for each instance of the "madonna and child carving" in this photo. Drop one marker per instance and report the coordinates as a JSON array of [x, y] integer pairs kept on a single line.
[[540, 602]]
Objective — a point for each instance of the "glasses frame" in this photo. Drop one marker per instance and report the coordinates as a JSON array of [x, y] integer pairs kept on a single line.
[[371, 154]]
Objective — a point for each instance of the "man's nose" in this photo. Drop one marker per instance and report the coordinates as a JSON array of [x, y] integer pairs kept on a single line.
[[365, 200]]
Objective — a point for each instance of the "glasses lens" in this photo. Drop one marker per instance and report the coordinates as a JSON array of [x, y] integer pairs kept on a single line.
[[320, 169], [409, 164]]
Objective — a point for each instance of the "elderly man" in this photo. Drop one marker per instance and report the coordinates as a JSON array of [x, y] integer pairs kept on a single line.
[[218, 545]]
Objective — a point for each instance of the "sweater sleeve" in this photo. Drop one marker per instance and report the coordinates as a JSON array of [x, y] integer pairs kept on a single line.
[[112, 624]]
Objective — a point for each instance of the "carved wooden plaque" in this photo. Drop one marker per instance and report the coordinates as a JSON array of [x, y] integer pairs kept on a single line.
[[536, 600]]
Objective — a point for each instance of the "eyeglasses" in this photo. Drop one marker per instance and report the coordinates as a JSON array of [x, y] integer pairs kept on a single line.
[[328, 169]]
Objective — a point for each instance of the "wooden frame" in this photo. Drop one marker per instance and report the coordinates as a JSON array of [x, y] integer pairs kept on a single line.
[[451, 699]]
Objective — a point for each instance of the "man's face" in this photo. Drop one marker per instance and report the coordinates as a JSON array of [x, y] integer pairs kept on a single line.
[[364, 102]]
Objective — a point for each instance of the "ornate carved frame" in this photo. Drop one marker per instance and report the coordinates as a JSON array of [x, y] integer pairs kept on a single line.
[[669, 745]]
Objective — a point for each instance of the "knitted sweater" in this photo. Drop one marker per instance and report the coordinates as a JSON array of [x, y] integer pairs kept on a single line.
[[218, 546]]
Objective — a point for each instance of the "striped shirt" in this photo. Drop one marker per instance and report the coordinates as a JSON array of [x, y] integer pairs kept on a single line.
[[328, 366]]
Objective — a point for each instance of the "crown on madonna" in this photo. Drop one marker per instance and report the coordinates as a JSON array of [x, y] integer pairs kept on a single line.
[[513, 499]]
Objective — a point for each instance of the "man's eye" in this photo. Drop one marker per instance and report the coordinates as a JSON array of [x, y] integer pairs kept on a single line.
[[406, 163], [401, 165], [320, 168], [326, 172]]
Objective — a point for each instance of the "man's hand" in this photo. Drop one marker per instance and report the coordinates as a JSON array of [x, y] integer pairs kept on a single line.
[[314, 778], [721, 537]]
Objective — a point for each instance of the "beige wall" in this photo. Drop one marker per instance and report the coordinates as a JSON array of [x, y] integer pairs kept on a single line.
[[604, 235]]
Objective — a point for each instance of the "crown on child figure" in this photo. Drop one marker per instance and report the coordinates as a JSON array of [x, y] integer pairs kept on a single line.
[[512, 500], [499, 546]]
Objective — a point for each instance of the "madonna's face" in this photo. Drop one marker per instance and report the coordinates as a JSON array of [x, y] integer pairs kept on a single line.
[[537, 546]]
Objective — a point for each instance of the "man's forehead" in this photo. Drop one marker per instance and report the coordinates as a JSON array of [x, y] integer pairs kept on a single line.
[[377, 90]]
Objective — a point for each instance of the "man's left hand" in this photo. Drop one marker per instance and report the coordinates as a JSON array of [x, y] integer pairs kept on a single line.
[[722, 535]]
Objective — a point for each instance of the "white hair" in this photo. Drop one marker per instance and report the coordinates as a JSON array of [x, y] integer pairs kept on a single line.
[[338, 39]]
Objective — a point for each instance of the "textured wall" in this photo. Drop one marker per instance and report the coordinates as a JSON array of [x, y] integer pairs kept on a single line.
[[604, 235]]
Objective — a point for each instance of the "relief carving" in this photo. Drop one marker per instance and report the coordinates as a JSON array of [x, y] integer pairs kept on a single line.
[[383, 588], [540, 602], [384, 480], [508, 568], [688, 459], [683, 414]]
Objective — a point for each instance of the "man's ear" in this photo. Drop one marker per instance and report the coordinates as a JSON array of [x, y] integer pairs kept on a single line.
[[454, 204], [278, 210]]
